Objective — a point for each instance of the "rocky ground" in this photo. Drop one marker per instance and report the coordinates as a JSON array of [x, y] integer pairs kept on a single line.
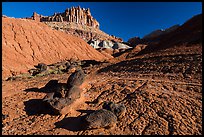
[[162, 93]]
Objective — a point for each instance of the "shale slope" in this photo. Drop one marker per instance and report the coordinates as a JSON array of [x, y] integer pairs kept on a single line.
[[28, 42]]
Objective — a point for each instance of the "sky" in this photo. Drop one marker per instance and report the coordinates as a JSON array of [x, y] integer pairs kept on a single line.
[[121, 19]]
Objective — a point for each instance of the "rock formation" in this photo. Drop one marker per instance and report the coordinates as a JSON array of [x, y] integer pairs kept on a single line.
[[101, 119], [76, 78], [109, 45], [76, 21], [66, 93], [76, 15]]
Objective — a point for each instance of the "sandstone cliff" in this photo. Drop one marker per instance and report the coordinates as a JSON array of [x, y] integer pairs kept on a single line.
[[76, 15], [27, 42], [76, 21]]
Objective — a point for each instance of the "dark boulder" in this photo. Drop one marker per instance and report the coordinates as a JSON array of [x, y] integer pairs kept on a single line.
[[100, 119], [57, 103], [76, 78], [74, 93], [41, 66]]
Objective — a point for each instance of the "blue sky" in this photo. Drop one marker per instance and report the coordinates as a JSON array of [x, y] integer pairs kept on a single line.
[[122, 19]]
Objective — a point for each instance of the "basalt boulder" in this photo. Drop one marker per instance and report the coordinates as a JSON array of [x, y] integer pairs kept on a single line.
[[62, 97], [66, 93], [76, 78], [41, 66], [101, 119]]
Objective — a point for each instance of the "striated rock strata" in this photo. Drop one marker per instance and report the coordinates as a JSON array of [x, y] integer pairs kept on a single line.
[[76, 15], [77, 21]]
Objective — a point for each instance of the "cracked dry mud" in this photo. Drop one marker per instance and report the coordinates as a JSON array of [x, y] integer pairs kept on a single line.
[[162, 93]]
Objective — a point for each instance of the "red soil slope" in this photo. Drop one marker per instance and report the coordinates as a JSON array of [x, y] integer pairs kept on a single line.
[[26, 43]]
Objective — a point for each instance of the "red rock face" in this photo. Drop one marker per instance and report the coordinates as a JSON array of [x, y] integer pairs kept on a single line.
[[27, 42], [76, 15], [76, 21]]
